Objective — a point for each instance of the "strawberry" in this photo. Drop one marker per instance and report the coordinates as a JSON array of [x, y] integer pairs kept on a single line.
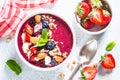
[[82, 10], [89, 72], [97, 16], [27, 37], [108, 61], [32, 59], [94, 3], [33, 50], [107, 17], [87, 24], [28, 29]]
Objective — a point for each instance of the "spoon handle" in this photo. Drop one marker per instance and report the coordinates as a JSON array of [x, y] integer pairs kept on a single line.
[[75, 71]]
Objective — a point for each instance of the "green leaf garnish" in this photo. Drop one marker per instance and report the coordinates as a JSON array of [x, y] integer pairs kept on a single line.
[[45, 34], [110, 46], [44, 39], [14, 66]]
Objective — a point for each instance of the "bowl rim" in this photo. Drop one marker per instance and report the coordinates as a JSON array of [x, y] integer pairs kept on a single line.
[[44, 12], [100, 31]]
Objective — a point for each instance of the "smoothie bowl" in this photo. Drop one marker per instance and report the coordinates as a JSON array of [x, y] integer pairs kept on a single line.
[[44, 41], [93, 16]]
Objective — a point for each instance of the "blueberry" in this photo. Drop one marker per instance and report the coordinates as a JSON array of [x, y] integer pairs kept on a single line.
[[50, 45], [45, 23], [53, 62]]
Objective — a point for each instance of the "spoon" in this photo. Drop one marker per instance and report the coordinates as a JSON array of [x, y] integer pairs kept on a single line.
[[85, 56]]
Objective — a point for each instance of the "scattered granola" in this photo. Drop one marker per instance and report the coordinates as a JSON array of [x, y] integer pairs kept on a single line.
[[71, 65], [61, 75], [8, 38], [74, 62], [68, 65]]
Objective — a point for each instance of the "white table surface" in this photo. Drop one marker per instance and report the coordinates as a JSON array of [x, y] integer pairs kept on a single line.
[[65, 8]]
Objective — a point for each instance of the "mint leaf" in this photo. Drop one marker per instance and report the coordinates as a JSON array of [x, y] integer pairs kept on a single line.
[[14, 66], [110, 46], [44, 39], [45, 34], [41, 42]]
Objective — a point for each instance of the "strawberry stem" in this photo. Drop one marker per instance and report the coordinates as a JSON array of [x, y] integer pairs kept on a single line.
[[79, 10], [96, 3]]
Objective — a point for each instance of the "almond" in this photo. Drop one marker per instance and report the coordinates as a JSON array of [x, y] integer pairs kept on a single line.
[[38, 18], [58, 59], [41, 55]]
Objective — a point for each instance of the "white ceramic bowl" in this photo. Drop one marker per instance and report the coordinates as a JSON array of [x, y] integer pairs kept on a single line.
[[93, 31], [21, 56]]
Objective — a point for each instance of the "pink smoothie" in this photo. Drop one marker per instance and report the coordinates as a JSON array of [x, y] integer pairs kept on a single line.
[[62, 34]]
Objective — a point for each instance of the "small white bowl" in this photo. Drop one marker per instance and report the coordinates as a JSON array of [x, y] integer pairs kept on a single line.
[[96, 30], [27, 62]]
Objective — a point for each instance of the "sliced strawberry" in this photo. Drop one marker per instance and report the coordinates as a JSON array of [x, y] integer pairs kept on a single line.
[[108, 61], [88, 24], [97, 16], [94, 3], [52, 1], [28, 29], [89, 3], [82, 10], [107, 17], [32, 59], [33, 50], [27, 37], [89, 72]]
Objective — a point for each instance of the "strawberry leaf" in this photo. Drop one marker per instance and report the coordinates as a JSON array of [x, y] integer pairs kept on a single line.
[[79, 10], [82, 75], [96, 3], [110, 46]]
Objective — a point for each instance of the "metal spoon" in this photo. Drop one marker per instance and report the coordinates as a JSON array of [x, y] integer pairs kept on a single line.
[[85, 56]]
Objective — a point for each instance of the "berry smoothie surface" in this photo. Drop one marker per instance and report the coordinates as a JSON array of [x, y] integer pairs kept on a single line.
[[45, 40]]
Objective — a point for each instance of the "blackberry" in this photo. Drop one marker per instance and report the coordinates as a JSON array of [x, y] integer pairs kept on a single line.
[[53, 62], [32, 22], [41, 63]]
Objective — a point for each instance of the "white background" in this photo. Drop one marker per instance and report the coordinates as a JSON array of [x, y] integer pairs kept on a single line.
[[65, 8]]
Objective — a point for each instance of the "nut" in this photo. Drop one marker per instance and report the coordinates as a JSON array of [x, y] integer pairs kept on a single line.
[[41, 55], [38, 18], [34, 40], [58, 59]]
